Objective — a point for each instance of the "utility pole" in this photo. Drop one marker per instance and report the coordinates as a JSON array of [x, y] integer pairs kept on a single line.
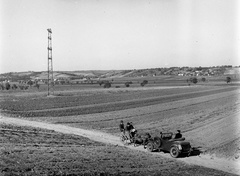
[[50, 66]]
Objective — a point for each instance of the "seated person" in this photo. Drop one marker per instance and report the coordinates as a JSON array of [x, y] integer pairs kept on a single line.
[[131, 126], [178, 135], [161, 136], [133, 132]]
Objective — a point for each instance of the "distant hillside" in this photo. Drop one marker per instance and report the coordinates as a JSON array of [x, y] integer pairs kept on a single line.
[[17, 76], [71, 75]]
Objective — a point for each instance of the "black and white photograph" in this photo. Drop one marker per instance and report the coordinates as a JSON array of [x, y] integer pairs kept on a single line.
[[119, 87]]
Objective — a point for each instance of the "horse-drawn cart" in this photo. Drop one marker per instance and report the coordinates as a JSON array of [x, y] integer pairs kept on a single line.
[[135, 138], [125, 139]]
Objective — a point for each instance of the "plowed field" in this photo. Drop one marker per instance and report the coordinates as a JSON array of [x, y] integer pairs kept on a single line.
[[208, 116], [34, 151]]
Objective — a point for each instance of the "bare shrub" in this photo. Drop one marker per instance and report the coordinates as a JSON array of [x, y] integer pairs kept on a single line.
[[144, 83], [107, 85], [14, 86], [7, 86], [228, 79], [127, 84]]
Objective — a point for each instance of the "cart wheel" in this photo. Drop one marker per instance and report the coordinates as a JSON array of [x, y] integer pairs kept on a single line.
[[150, 146], [123, 139], [174, 152]]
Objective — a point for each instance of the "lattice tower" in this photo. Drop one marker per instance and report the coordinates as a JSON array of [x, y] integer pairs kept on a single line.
[[50, 65]]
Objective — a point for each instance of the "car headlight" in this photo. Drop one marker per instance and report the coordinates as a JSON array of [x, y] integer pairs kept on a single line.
[[179, 147]]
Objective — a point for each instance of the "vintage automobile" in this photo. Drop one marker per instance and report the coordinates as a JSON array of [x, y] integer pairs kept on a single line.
[[166, 143]]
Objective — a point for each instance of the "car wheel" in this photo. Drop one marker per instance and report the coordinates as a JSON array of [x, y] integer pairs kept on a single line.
[[150, 147], [174, 152]]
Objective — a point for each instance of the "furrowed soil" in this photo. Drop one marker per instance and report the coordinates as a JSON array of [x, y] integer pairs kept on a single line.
[[208, 117], [35, 151]]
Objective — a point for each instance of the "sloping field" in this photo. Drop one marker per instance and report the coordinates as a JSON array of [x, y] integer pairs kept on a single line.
[[208, 116], [35, 151]]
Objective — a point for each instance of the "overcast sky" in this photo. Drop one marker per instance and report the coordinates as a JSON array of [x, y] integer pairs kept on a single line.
[[118, 34]]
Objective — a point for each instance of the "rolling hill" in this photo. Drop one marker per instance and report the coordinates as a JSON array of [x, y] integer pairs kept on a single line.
[[177, 71]]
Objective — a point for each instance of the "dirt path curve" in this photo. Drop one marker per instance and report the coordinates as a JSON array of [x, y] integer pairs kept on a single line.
[[202, 160]]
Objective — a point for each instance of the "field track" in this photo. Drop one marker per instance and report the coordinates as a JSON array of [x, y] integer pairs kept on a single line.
[[202, 160]]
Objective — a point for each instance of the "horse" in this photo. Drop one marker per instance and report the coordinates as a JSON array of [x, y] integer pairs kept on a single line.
[[141, 139]]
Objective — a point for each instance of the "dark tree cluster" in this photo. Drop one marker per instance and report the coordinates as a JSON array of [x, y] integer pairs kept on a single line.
[[8, 86], [107, 85], [228, 79], [144, 83], [203, 79], [193, 80], [127, 84], [23, 87], [103, 82]]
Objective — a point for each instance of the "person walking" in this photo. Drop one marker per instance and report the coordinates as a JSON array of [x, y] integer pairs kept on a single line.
[[128, 128], [121, 127]]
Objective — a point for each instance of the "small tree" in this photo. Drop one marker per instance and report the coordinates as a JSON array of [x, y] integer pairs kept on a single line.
[[2, 87], [107, 85], [100, 83], [203, 79], [30, 82], [14, 86], [127, 84], [21, 87], [194, 80], [7, 86], [144, 83], [228, 79]]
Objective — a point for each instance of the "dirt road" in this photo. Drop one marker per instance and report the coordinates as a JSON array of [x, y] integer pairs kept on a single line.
[[202, 160]]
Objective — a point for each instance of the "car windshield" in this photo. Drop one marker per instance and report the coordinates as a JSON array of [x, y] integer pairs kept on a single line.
[[167, 135]]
